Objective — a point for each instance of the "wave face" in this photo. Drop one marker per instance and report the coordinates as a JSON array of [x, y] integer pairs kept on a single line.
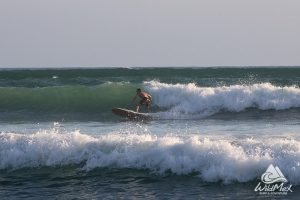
[[193, 99], [67, 98], [226, 160]]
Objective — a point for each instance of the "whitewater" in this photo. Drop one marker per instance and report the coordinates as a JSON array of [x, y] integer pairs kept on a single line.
[[211, 159], [192, 99]]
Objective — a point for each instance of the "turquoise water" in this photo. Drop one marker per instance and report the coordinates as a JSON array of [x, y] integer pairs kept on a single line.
[[216, 130]]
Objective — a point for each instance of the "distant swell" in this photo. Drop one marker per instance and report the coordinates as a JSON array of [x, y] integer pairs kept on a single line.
[[225, 160]]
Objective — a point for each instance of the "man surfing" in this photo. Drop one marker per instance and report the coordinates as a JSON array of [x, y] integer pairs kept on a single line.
[[145, 99]]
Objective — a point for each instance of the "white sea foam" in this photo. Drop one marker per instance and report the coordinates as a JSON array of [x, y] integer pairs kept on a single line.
[[226, 160], [193, 99]]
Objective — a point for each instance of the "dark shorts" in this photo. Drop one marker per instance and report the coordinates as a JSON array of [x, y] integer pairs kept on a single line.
[[145, 101]]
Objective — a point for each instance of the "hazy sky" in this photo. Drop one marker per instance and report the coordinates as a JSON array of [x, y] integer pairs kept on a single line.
[[126, 33]]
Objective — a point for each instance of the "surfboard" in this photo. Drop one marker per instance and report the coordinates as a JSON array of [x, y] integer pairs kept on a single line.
[[130, 114]]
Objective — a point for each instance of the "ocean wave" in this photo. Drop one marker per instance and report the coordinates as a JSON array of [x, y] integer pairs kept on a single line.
[[227, 160], [169, 100], [193, 99]]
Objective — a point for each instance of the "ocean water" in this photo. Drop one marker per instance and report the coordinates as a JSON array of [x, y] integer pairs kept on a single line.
[[214, 133]]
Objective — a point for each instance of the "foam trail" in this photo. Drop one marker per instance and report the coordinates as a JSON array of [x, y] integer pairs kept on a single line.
[[193, 99], [226, 160]]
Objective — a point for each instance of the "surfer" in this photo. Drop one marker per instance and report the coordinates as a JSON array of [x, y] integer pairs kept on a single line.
[[145, 99]]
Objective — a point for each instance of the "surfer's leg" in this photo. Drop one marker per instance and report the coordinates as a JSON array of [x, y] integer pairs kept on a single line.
[[142, 102], [148, 105]]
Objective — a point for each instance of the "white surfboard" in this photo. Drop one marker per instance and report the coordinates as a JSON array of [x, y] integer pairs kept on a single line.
[[130, 114]]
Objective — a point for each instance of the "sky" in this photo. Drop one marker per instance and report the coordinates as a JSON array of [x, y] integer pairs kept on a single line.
[[137, 33]]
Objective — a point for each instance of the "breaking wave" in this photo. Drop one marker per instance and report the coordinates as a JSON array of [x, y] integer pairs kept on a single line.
[[168, 99], [226, 160], [193, 99]]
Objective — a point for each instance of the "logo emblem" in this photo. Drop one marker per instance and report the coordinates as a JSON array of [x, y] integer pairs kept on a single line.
[[273, 182], [273, 175]]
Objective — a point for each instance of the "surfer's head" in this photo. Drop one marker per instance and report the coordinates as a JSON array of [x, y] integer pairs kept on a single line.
[[138, 90]]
